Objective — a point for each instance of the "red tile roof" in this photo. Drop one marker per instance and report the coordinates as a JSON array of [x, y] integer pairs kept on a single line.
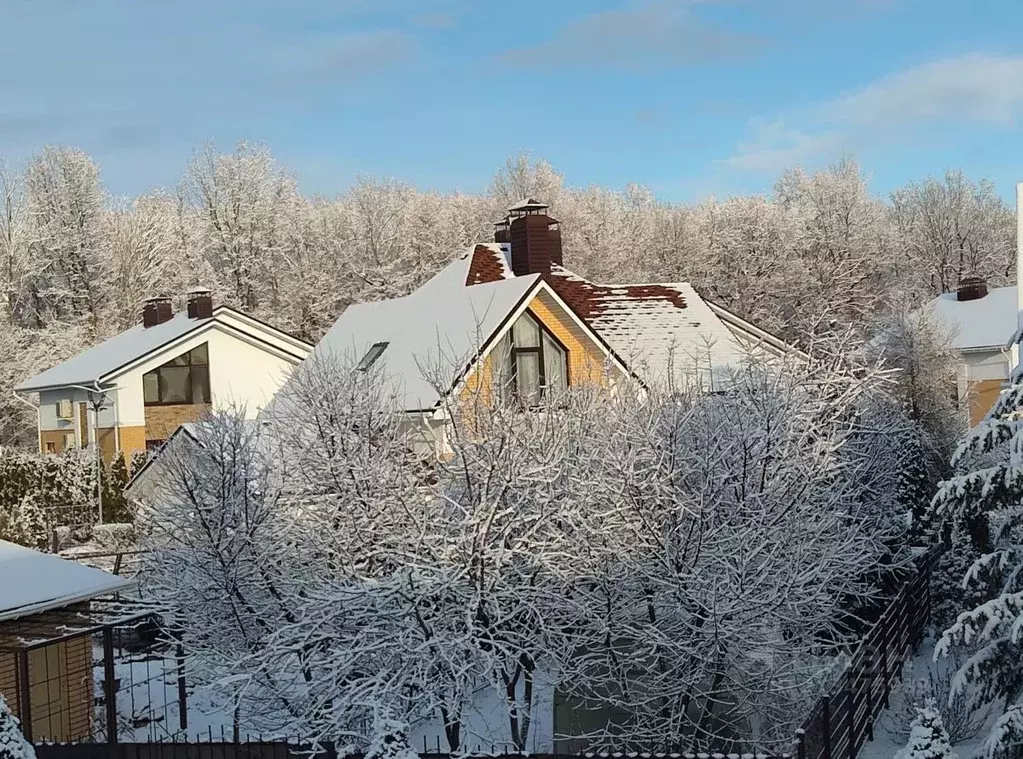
[[587, 299]]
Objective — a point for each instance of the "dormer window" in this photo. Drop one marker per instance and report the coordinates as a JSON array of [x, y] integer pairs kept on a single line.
[[531, 361]]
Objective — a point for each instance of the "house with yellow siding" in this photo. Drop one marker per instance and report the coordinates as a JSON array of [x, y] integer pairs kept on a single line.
[[507, 320], [130, 392], [982, 325]]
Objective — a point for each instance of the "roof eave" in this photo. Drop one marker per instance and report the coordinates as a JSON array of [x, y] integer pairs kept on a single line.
[[59, 603]]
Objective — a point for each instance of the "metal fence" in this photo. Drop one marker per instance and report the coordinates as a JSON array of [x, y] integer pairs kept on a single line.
[[844, 719], [837, 728]]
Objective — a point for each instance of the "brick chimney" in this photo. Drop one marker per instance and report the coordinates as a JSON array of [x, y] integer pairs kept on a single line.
[[971, 288], [534, 236], [200, 304], [156, 311]]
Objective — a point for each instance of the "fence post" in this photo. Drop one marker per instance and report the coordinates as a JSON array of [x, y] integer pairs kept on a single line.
[[800, 744], [182, 693], [850, 697], [870, 676], [826, 715], [109, 691], [24, 696], [886, 683]]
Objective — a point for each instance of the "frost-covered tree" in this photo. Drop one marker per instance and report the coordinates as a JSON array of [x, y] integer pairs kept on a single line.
[[647, 554], [927, 737], [954, 227], [65, 201], [12, 743]]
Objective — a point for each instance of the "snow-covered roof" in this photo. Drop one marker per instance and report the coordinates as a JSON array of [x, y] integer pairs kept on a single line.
[[439, 326], [987, 323], [93, 366], [661, 330], [35, 582]]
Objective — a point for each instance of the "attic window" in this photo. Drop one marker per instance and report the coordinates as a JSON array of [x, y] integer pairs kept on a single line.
[[371, 356]]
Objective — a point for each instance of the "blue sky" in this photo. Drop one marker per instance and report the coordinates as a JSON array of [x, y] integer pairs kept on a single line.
[[689, 97]]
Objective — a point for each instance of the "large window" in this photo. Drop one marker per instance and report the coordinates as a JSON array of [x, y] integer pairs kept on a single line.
[[531, 362], [182, 380]]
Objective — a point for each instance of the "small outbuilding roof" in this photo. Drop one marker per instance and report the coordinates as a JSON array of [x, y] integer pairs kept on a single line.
[[987, 323], [35, 582]]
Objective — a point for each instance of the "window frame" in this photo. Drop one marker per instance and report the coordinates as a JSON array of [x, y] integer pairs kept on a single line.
[[537, 350], [70, 415], [376, 350], [191, 366]]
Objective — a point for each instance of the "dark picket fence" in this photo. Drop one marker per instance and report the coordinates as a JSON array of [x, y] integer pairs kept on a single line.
[[284, 750], [844, 719]]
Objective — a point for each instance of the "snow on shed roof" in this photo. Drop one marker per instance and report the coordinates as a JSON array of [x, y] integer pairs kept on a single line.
[[35, 582], [985, 323], [439, 326]]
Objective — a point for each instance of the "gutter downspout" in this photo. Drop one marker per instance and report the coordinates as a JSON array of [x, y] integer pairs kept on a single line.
[[1019, 273]]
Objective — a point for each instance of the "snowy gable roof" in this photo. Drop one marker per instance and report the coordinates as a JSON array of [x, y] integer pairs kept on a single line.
[[987, 323], [661, 331], [36, 582], [90, 366], [440, 326], [94, 365]]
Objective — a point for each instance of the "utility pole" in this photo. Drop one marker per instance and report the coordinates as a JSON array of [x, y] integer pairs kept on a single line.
[[96, 401]]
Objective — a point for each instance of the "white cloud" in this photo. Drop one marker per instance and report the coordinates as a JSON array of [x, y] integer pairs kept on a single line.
[[643, 34], [969, 89]]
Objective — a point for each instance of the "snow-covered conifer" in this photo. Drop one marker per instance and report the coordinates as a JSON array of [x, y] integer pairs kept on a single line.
[[984, 499], [12, 743], [390, 739], [927, 736]]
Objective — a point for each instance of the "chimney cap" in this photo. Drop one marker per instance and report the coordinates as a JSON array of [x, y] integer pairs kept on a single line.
[[200, 291], [527, 204], [158, 299]]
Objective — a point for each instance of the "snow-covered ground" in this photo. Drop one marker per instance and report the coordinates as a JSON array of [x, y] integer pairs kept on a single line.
[[147, 707], [885, 745]]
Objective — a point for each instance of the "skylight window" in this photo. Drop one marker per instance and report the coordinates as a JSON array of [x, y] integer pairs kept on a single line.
[[371, 356]]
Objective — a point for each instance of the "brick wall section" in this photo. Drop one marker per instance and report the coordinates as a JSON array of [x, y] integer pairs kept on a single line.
[[53, 436], [161, 421], [585, 360], [131, 439]]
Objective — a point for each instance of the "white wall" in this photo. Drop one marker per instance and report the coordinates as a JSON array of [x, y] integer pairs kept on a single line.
[[985, 365], [242, 374]]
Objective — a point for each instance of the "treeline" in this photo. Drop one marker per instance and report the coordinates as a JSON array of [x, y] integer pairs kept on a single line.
[[819, 253]]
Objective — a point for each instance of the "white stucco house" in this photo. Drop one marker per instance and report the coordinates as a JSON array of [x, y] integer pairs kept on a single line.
[[130, 392]]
